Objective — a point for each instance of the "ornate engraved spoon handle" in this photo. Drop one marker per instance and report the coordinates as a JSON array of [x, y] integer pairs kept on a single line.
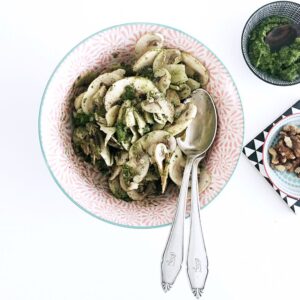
[[173, 254], [197, 262]]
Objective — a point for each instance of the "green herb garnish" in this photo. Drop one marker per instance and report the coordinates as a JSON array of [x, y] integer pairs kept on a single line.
[[123, 133], [128, 173], [147, 72], [128, 69], [80, 118], [129, 93]]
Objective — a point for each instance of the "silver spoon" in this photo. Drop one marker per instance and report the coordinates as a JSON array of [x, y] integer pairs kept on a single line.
[[282, 36], [200, 135]]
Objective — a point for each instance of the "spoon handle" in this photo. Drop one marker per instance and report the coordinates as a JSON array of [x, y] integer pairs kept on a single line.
[[197, 262], [173, 253]]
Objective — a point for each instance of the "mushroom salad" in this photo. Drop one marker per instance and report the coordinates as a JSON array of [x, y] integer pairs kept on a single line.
[[126, 120]]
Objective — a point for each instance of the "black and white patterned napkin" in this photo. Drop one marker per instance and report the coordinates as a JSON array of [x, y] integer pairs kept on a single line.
[[253, 150]]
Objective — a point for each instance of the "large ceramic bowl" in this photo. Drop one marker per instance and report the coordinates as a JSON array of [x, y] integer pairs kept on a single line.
[[286, 182], [86, 187]]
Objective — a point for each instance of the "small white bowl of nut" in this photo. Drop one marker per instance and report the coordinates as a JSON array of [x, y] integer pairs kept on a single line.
[[281, 155]]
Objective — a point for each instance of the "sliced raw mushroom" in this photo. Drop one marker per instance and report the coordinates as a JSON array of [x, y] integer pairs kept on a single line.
[[161, 157], [159, 106], [160, 119], [176, 166], [179, 109], [172, 97], [141, 123], [104, 152], [167, 109], [100, 120], [193, 84], [175, 87], [158, 126], [185, 91], [78, 100], [109, 131], [141, 166], [129, 119], [166, 57], [112, 115], [106, 79], [98, 96], [133, 186], [164, 81], [196, 65], [148, 117], [140, 84], [86, 78], [116, 189], [136, 196], [148, 41], [88, 104], [135, 170], [135, 134], [184, 120], [189, 71], [115, 172], [121, 114], [177, 73], [151, 106], [121, 158], [145, 60], [143, 145], [114, 143], [122, 182]]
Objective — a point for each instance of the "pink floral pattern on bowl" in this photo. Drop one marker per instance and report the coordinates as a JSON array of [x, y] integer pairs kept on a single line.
[[85, 186]]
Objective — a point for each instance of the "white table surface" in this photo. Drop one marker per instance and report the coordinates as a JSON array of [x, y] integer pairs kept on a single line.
[[50, 249]]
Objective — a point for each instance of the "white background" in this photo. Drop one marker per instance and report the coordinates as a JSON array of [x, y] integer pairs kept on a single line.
[[50, 249]]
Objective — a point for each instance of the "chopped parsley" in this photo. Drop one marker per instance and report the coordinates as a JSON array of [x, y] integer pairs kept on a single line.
[[147, 72], [128, 69], [128, 173], [80, 118], [123, 133], [129, 93]]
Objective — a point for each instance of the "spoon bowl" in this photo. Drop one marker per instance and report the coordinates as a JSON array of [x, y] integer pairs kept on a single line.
[[282, 36], [201, 133]]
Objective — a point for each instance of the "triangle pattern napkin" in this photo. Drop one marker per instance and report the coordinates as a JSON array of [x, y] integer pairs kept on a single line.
[[253, 151]]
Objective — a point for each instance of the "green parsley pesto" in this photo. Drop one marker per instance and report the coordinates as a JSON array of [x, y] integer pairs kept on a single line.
[[283, 64]]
